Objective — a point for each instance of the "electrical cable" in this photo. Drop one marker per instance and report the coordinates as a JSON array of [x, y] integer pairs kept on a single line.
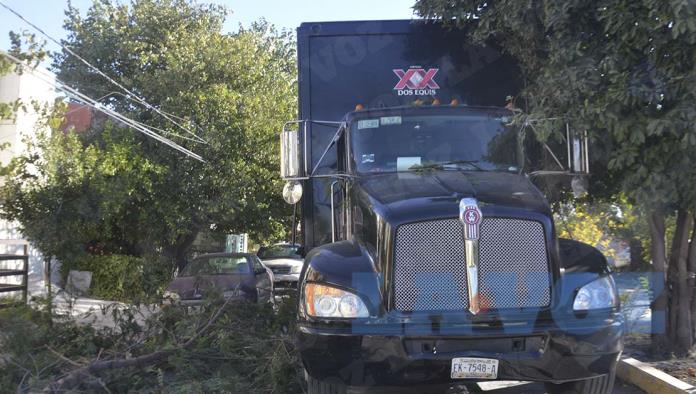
[[82, 98], [98, 71]]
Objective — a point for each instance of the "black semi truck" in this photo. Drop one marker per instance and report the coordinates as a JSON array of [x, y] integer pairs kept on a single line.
[[431, 257]]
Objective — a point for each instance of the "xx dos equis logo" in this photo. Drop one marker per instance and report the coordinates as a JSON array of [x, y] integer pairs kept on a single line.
[[416, 81]]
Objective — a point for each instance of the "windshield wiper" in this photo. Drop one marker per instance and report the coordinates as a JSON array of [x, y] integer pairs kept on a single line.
[[441, 165]]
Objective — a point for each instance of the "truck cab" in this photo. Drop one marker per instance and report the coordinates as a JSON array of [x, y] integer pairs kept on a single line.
[[432, 257]]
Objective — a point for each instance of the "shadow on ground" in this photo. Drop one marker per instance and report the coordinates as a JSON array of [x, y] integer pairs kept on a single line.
[[498, 387]]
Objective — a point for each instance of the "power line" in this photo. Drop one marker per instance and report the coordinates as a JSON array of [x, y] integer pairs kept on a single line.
[[98, 71], [200, 141], [80, 97]]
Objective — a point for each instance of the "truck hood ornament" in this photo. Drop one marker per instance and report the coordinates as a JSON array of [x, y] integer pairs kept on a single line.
[[471, 217]]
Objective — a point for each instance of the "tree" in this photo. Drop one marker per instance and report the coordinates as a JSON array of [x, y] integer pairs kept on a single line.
[[26, 47], [625, 71], [120, 191]]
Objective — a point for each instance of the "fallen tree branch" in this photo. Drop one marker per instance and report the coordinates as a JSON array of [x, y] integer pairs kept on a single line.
[[62, 357], [73, 378]]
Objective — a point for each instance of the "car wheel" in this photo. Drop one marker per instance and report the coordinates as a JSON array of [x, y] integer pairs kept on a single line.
[[599, 385], [315, 386]]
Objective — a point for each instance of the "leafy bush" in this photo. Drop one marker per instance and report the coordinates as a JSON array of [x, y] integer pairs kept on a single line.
[[122, 277], [29, 337], [219, 347]]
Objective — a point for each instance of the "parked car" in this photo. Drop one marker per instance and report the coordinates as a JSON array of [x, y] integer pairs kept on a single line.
[[285, 260], [239, 276]]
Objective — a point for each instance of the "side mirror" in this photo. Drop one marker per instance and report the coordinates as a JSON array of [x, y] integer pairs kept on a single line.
[[578, 152], [292, 192], [290, 155]]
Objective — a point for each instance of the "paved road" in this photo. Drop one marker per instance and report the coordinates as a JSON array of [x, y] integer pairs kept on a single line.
[[538, 388], [494, 388], [635, 300]]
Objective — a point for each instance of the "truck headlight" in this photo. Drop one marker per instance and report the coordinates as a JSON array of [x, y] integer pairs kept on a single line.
[[599, 294], [326, 301], [296, 269]]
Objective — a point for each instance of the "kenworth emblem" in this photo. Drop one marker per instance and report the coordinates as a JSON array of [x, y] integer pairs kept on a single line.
[[470, 216]]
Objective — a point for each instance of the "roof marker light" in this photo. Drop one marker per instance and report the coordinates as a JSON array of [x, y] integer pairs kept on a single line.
[[359, 107], [435, 102], [454, 102]]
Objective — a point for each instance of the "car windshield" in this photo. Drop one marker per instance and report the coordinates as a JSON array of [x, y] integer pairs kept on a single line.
[[217, 266], [279, 252], [470, 141]]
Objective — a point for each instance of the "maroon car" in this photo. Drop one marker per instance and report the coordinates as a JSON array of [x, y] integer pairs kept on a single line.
[[235, 275]]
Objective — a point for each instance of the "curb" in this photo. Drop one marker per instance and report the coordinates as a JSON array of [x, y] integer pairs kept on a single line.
[[650, 379]]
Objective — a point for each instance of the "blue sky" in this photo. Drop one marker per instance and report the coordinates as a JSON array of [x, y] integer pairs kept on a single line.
[[48, 14]]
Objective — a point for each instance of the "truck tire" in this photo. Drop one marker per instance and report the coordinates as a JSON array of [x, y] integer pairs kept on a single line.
[[315, 386], [599, 385]]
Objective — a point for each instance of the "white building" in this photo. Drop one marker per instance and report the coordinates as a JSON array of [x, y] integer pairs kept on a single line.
[[30, 90]]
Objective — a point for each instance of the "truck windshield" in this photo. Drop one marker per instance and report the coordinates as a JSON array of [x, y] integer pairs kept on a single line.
[[471, 142]]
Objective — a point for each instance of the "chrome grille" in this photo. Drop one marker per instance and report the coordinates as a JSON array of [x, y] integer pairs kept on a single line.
[[430, 273], [513, 268], [281, 270]]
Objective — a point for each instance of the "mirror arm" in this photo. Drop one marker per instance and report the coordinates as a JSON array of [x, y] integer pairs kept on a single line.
[[568, 144], [334, 139], [303, 127], [587, 153], [333, 212], [553, 155], [304, 149]]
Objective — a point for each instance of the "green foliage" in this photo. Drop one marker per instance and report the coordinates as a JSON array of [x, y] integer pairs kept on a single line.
[[247, 349], [622, 69], [125, 193], [69, 194], [25, 47], [585, 224], [625, 71], [27, 337], [122, 277]]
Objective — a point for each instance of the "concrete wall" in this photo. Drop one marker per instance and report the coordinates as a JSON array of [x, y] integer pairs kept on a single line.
[[30, 90]]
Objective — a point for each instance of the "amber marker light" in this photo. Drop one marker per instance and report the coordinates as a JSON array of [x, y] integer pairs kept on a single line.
[[436, 102], [359, 107], [454, 102]]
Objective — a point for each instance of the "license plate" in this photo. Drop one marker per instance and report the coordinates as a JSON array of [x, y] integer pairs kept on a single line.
[[474, 368]]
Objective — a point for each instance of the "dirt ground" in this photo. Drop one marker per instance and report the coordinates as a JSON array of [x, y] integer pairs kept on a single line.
[[638, 347]]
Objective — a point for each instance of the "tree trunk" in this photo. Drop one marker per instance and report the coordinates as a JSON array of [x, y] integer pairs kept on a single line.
[[659, 341], [681, 294], [177, 252], [637, 260], [691, 282]]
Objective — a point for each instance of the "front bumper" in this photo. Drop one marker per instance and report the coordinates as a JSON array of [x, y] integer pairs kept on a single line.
[[286, 281], [363, 356]]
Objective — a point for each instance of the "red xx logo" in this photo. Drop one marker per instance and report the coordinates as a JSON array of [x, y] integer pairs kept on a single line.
[[416, 78]]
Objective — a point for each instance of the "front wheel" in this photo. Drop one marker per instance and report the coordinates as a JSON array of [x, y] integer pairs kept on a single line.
[[599, 385], [315, 386]]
